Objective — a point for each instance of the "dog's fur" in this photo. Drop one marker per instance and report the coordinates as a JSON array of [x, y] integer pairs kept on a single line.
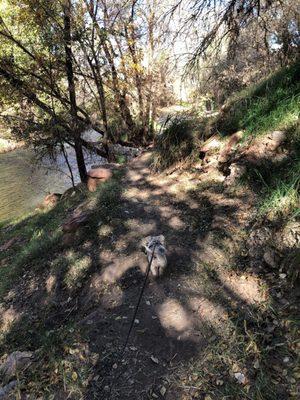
[[159, 261]]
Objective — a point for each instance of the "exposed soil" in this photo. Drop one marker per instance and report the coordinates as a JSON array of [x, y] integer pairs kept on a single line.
[[209, 294], [177, 318]]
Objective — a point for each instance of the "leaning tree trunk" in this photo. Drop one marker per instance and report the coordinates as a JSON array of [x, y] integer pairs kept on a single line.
[[72, 93]]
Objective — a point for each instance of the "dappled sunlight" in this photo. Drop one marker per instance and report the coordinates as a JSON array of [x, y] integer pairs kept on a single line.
[[8, 317], [173, 316], [206, 311], [246, 286], [195, 312], [136, 193], [78, 268], [114, 268], [105, 230], [50, 283], [136, 228]]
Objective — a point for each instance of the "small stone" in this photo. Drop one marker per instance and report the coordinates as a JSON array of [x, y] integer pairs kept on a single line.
[[136, 321], [240, 377], [163, 391], [115, 366], [286, 360], [148, 303], [282, 276], [270, 258], [154, 359]]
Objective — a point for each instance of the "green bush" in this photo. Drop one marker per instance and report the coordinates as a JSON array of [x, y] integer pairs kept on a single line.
[[175, 143]]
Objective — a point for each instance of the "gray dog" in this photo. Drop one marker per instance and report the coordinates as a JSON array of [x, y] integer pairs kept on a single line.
[[159, 261]]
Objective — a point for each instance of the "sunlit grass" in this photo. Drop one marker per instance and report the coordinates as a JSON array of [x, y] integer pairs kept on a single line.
[[77, 270], [272, 104], [278, 188]]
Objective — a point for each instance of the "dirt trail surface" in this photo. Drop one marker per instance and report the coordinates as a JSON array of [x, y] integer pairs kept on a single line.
[[209, 328], [183, 311]]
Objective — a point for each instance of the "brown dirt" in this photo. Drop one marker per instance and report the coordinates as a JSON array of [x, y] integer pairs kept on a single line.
[[180, 312]]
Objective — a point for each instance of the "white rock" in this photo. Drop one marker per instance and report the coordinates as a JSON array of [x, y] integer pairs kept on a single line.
[[240, 377]]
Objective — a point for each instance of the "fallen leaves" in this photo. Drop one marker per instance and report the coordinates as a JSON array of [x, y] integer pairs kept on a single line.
[[74, 376]]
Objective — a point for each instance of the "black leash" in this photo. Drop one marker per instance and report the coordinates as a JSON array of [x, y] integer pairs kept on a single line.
[[115, 378]]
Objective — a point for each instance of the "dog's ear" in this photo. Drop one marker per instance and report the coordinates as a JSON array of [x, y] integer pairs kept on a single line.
[[162, 239]]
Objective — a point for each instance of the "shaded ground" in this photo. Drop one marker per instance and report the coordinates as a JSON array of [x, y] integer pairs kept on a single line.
[[210, 316]]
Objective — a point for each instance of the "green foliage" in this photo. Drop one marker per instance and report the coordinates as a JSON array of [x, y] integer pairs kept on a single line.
[[175, 143], [36, 236], [278, 187], [272, 104]]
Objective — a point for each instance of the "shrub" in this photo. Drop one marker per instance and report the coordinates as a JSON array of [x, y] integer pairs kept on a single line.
[[176, 142]]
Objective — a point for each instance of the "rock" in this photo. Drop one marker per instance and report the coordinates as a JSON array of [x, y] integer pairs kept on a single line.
[[236, 172], [233, 140], [51, 200], [289, 236], [77, 219], [240, 377], [211, 144], [5, 390], [275, 139], [265, 148], [15, 362], [271, 258], [97, 176], [90, 135]]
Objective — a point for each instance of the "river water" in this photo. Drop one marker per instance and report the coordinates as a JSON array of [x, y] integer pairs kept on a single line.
[[24, 182]]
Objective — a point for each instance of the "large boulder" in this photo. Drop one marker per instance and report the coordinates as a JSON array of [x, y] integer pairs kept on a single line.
[[96, 177]]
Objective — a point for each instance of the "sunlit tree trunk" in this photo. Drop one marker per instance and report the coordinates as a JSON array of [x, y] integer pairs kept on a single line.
[[72, 91]]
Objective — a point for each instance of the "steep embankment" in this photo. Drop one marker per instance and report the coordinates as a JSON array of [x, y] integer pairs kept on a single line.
[[221, 323]]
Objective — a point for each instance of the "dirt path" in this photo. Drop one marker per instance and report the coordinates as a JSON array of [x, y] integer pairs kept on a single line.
[[187, 309]]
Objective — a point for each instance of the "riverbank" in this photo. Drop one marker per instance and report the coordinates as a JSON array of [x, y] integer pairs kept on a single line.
[[7, 145]]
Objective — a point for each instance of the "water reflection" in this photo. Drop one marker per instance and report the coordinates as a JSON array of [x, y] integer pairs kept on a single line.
[[24, 182]]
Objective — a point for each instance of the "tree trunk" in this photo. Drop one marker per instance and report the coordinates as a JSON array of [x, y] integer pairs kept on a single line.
[[108, 51], [72, 93]]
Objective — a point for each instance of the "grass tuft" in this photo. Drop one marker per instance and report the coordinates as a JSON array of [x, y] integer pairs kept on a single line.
[[175, 143]]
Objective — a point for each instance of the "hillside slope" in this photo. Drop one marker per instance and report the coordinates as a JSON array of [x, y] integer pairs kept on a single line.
[[220, 324]]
